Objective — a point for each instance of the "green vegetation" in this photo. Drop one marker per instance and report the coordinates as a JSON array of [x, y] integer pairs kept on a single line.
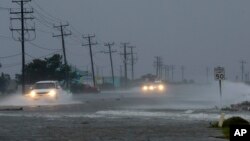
[[3, 83], [47, 69]]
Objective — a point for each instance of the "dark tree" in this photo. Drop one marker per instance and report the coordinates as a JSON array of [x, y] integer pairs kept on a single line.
[[48, 69]]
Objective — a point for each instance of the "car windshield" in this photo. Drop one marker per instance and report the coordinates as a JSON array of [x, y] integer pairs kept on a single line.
[[44, 85]]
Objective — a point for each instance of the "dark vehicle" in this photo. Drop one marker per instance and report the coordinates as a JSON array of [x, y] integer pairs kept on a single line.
[[83, 88]]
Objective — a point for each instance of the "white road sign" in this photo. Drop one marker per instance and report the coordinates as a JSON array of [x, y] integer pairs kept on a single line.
[[219, 73]]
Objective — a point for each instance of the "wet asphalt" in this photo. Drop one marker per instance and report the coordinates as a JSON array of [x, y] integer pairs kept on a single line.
[[111, 116]]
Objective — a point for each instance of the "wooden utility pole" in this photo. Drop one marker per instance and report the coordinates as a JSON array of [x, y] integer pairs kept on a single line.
[[242, 69], [182, 73], [132, 61], [63, 34], [125, 61], [110, 52], [21, 15], [207, 74], [90, 44]]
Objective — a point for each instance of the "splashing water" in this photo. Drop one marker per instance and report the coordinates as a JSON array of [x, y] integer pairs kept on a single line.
[[20, 100]]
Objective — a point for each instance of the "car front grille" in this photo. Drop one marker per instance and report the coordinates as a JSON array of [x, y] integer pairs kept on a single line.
[[42, 92]]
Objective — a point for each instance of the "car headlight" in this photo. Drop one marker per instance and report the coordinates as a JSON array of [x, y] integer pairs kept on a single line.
[[33, 94], [161, 87], [52, 93], [145, 88]]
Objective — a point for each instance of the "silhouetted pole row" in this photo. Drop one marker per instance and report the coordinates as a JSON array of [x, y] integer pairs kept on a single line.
[[242, 69], [182, 73], [207, 74], [158, 64], [63, 34], [125, 61], [166, 69], [172, 70], [90, 44], [132, 61]]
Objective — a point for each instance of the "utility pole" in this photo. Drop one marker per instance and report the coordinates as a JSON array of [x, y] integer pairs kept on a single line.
[[165, 72], [158, 64], [242, 69], [121, 71], [21, 15], [160, 69], [125, 61], [166, 68], [110, 52], [63, 34], [172, 70], [90, 44], [246, 77], [207, 74], [132, 61], [182, 73]]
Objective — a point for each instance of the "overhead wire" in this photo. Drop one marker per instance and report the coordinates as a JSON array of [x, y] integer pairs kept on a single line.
[[10, 56], [4, 8], [48, 21], [43, 47], [6, 37], [47, 13], [28, 61]]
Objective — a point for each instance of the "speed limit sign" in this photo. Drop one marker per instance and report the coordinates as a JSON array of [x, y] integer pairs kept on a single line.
[[219, 73]]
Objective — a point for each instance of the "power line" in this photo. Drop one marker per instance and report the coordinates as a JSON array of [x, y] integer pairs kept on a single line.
[[4, 8], [28, 61], [42, 47], [5, 37], [10, 56], [48, 21], [30, 56], [45, 18], [45, 24], [44, 31], [47, 13]]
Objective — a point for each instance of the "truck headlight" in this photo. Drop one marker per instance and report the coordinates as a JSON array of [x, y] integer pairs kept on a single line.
[[52, 93]]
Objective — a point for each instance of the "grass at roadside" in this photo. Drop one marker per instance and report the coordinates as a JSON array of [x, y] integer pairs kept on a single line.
[[227, 123], [226, 132]]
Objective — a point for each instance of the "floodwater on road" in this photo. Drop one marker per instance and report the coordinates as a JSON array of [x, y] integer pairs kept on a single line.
[[121, 115], [180, 101]]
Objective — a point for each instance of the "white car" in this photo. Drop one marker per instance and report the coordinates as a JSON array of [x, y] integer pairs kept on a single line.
[[155, 86], [45, 89]]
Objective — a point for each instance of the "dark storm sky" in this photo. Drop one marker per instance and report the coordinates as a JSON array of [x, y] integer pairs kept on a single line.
[[194, 33]]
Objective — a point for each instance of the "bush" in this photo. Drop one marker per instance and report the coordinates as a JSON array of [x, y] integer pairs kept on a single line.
[[226, 124], [235, 121]]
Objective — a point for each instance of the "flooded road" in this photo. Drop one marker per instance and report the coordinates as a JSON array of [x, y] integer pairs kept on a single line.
[[182, 113]]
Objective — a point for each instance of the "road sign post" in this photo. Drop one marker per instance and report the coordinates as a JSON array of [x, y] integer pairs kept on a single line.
[[219, 75]]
